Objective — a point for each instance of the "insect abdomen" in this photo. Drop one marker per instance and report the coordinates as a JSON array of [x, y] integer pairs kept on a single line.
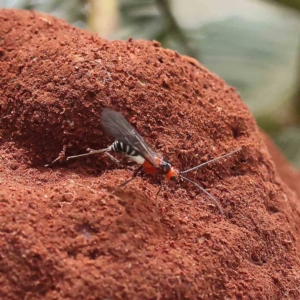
[[124, 149], [128, 151]]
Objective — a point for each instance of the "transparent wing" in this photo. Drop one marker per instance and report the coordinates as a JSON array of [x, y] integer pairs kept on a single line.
[[116, 126]]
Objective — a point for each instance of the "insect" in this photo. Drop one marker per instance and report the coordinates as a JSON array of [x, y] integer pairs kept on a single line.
[[130, 143]]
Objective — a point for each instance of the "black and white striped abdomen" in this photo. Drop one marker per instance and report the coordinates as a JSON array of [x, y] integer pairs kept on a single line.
[[128, 151], [124, 149]]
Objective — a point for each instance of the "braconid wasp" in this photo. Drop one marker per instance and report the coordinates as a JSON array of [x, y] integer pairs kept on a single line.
[[130, 143]]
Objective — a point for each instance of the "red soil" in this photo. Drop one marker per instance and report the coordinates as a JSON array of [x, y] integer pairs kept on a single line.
[[63, 237], [288, 174]]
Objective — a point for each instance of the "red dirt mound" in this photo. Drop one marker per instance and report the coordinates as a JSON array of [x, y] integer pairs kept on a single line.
[[288, 174], [63, 237]]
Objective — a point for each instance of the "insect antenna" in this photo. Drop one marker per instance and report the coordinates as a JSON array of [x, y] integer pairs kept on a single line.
[[212, 198], [210, 161]]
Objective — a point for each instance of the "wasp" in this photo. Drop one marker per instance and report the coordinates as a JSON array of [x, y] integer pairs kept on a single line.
[[130, 143]]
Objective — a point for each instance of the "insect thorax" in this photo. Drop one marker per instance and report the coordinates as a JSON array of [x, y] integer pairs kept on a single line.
[[165, 166]]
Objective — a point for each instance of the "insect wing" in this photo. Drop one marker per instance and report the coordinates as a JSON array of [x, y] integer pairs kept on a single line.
[[116, 126]]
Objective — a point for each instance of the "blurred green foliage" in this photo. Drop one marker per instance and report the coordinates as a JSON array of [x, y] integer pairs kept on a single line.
[[295, 4], [73, 11], [253, 45]]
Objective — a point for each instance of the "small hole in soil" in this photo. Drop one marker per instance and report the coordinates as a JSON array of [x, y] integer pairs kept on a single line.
[[206, 236], [275, 280], [236, 133], [20, 68], [229, 215], [272, 210], [239, 170], [94, 254], [255, 259], [160, 59], [86, 230], [165, 85], [90, 96], [72, 253]]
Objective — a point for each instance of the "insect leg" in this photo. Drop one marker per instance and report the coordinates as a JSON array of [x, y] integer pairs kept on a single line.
[[60, 156], [135, 173], [160, 186], [113, 158], [117, 161], [90, 152]]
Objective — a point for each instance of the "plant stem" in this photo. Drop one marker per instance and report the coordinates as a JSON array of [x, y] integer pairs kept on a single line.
[[175, 29], [103, 17]]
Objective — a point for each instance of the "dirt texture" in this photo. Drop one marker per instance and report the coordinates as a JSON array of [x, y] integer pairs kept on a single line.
[[63, 237], [287, 173]]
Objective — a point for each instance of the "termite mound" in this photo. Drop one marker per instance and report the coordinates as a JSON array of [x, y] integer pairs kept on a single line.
[[63, 237]]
